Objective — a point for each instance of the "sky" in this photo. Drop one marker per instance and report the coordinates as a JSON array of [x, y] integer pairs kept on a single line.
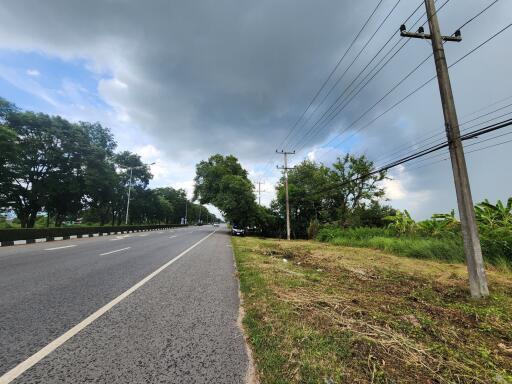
[[179, 81]]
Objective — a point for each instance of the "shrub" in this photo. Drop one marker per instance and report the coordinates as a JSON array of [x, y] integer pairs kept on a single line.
[[313, 228], [39, 233]]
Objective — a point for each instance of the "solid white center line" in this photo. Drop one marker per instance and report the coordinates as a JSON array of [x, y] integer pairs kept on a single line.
[[65, 246], [117, 250], [45, 351]]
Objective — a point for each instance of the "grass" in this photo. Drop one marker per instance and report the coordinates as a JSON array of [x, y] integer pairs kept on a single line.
[[496, 250], [319, 313]]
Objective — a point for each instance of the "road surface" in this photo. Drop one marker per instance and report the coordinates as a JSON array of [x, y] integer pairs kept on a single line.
[[151, 307]]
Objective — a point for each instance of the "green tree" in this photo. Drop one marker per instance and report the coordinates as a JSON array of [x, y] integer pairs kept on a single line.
[[223, 182], [350, 185], [100, 180], [8, 155], [40, 156], [305, 183], [128, 163]]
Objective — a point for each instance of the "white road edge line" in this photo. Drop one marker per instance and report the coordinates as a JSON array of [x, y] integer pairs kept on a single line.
[[66, 246], [117, 250], [45, 351]]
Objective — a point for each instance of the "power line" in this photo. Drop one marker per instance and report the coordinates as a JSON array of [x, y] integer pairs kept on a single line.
[[368, 41], [418, 88], [337, 110], [468, 136], [403, 149], [478, 14], [330, 109], [467, 153], [332, 72]]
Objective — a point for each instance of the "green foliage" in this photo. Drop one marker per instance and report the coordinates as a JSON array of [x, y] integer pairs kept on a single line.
[[449, 250], [41, 233], [69, 171], [438, 238], [343, 193], [402, 223], [440, 225], [351, 184], [223, 182], [494, 216], [313, 228]]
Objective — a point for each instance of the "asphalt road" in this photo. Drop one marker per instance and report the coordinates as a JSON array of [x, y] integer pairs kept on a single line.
[[172, 320]]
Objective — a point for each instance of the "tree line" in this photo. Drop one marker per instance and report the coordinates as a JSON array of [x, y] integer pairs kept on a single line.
[[59, 171], [342, 194]]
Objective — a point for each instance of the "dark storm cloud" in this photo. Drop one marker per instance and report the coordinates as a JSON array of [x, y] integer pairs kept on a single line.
[[232, 76]]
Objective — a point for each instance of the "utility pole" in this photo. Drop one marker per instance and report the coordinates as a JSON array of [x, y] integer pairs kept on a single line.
[[259, 191], [186, 210], [285, 169], [473, 251], [130, 189]]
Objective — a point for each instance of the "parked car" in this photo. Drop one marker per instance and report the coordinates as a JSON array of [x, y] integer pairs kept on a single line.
[[238, 231]]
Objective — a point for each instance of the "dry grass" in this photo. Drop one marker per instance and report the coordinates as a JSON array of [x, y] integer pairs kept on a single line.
[[317, 313]]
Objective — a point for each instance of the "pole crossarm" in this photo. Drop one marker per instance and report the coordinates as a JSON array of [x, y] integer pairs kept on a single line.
[[456, 37]]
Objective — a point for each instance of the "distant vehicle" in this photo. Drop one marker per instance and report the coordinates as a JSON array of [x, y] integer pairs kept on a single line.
[[238, 231], [215, 224]]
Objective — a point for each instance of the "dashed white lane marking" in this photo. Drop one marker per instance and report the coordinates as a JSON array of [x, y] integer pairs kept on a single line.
[[117, 250], [120, 238], [172, 237], [65, 246], [45, 351], [143, 234]]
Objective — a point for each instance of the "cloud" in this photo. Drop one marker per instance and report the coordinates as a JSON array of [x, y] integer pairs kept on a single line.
[[33, 72], [232, 76]]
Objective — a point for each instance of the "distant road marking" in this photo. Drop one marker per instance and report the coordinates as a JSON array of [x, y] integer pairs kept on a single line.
[[172, 237], [144, 234], [45, 351], [117, 250], [120, 238], [65, 246]]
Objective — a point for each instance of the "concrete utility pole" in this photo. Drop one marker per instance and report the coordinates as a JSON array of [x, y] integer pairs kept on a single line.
[[186, 210], [473, 251], [285, 169], [259, 192]]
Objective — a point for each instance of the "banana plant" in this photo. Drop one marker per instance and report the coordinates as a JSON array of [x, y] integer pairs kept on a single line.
[[402, 223], [440, 224], [493, 216]]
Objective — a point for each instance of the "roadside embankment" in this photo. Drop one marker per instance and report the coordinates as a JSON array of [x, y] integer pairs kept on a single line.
[[319, 313]]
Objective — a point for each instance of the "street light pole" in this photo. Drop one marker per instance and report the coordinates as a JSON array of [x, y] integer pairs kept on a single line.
[[129, 192]]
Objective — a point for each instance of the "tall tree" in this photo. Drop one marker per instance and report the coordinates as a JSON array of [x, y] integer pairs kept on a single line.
[[39, 145], [305, 181], [223, 182], [100, 179], [128, 163], [350, 185]]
